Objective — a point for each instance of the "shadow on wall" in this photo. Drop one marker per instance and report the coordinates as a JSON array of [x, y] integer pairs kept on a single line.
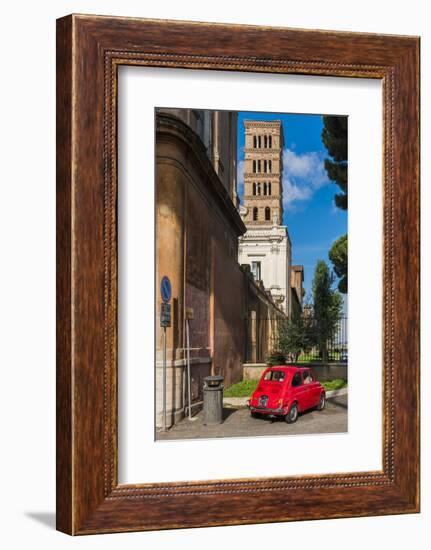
[[45, 518]]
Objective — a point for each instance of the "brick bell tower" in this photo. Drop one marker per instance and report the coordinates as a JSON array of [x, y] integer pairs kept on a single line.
[[263, 173], [266, 245]]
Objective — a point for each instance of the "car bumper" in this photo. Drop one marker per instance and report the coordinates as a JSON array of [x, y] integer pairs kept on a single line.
[[266, 410]]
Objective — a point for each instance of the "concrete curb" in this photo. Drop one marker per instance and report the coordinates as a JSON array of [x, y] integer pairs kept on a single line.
[[336, 393], [241, 402], [235, 401]]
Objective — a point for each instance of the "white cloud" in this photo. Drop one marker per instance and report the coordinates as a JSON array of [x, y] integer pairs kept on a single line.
[[303, 175]]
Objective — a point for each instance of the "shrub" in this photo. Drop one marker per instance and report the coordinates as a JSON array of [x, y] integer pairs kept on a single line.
[[276, 358]]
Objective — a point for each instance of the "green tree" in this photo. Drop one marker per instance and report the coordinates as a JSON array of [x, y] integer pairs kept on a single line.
[[295, 336], [338, 257], [334, 137], [327, 306]]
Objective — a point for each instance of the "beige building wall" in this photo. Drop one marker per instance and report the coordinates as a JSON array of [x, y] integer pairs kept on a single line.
[[197, 230], [217, 131], [297, 278]]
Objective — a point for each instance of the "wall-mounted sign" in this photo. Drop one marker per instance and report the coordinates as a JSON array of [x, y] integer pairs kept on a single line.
[[165, 289], [165, 314]]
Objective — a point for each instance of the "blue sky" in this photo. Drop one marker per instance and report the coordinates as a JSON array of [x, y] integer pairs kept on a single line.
[[310, 215]]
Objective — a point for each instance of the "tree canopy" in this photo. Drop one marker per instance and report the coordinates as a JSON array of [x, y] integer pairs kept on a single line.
[[338, 257], [334, 137], [296, 336]]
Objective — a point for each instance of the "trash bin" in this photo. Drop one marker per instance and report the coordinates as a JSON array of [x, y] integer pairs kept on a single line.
[[213, 400]]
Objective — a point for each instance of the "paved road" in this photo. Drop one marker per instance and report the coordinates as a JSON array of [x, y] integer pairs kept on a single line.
[[239, 423]]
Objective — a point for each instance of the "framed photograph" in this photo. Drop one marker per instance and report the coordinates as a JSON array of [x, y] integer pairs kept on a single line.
[[237, 274]]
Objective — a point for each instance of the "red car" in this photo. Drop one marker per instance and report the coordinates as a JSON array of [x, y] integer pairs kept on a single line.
[[286, 391]]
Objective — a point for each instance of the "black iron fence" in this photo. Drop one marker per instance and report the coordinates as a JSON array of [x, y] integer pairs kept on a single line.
[[263, 340], [335, 348]]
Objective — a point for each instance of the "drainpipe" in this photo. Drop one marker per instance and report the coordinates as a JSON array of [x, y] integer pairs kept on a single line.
[[215, 136], [185, 225]]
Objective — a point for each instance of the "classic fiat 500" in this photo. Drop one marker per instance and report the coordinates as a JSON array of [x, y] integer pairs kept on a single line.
[[286, 391]]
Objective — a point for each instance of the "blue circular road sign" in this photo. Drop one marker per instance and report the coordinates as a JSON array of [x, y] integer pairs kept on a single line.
[[165, 289]]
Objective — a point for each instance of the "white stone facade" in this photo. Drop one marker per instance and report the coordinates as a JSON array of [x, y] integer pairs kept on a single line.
[[269, 248]]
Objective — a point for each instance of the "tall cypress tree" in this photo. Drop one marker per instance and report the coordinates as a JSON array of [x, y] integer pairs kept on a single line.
[[327, 306]]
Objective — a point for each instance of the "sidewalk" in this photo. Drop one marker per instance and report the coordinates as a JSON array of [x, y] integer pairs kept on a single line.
[[239, 423]]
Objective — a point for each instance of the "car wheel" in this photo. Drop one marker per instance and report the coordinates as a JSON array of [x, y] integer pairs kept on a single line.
[[322, 402], [254, 415], [292, 415]]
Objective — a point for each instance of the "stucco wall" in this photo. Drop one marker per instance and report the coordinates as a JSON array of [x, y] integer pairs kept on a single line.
[[197, 229]]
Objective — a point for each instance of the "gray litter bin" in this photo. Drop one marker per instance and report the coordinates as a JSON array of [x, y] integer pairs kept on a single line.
[[213, 400]]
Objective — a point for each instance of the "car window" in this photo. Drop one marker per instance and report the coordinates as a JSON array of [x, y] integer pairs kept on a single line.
[[274, 375], [297, 380], [307, 377]]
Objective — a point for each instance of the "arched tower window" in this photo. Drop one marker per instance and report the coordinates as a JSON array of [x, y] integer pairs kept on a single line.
[[254, 142], [270, 166], [267, 214], [258, 189], [255, 211], [254, 167], [269, 188], [265, 166], [270, 142], [254, 188], [265, 142], [259, 141], [258, 165]]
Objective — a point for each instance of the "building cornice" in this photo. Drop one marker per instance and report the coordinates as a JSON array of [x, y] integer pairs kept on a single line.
[[170, 127], [267, 233], [276, 151], [261, 177], [252, 175], [262, 123], [263, 197]]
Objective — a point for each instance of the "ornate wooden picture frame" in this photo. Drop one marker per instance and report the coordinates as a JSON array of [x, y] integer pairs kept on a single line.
[[89, 51]]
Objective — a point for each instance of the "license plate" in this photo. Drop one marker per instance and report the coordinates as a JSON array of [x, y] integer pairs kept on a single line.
[[263, 401]]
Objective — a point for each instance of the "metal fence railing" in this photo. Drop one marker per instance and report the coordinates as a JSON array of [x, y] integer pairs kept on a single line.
[[336, 346], [262, 341]]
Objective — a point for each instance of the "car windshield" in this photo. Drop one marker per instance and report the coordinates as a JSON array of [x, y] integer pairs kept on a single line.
[[275, 375]]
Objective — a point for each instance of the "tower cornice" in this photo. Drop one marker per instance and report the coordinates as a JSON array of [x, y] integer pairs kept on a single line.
[[262, 123], [263, 150], [260, 175]]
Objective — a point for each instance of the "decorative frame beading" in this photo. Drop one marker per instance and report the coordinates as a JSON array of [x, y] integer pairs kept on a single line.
[[90, 50]]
